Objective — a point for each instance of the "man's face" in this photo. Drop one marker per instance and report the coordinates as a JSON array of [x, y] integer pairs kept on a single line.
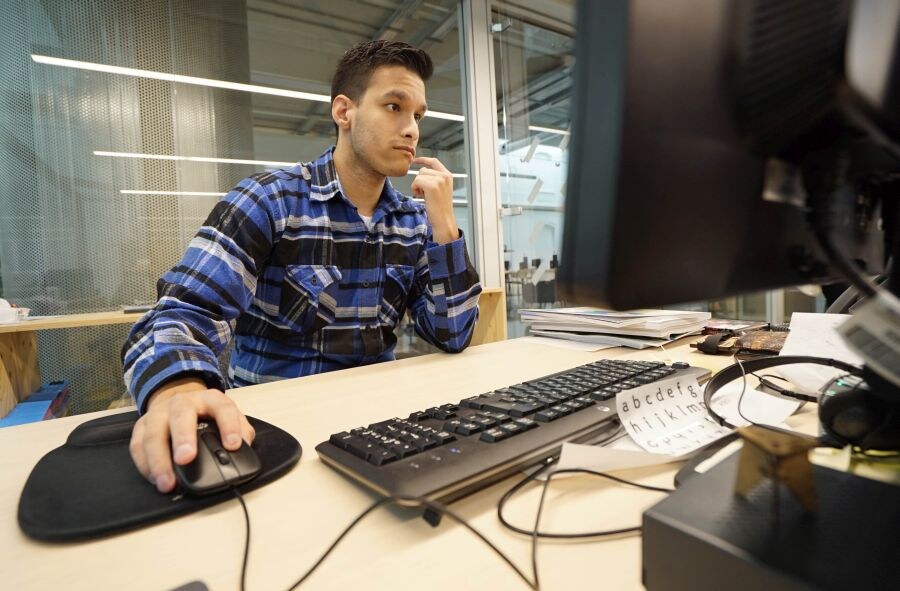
[[384, 127]]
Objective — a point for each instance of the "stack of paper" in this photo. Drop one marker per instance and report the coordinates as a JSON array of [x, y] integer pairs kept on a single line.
[[634, 328]]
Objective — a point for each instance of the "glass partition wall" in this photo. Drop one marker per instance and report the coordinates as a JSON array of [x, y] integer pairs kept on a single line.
[[125, 120], [534, 87], [534, 57]]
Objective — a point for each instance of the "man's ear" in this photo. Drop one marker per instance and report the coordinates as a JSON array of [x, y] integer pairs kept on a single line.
[[342, 108]]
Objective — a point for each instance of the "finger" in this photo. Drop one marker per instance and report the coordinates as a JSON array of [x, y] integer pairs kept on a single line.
[[430, 162], [248, 433], [419, 186], [434, 173], [183, 429], [157, 452], [136, 448], [227, 417]]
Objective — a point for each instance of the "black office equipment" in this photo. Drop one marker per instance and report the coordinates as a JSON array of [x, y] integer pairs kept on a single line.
[[215, 468], [446, 452], [712, 140], [702, 536], [89, 487]]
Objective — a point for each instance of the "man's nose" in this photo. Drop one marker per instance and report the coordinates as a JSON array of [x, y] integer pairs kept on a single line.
[[411, 129]]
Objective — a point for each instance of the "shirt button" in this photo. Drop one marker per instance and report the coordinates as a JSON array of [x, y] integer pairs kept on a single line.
[[365, 284], [315, 280]]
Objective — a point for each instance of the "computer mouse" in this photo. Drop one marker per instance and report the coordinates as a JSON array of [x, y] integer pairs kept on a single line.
[[216, 468]]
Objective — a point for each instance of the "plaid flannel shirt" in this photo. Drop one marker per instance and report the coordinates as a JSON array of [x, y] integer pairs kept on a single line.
[[285, 265]]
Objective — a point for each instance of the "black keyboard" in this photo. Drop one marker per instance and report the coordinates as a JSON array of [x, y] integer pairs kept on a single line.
[[448, 451]]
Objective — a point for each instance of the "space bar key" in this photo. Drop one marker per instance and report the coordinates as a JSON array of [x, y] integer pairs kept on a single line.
[[513, 409]]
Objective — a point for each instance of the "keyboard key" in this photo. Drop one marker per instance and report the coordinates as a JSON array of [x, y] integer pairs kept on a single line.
[[525, 423], [497, 416], [494, 435], [360, 447], [512, 428], [440, 414], [514, 409], [403, 450], [381, 457], [340, 439], [417, 441], [547, 415], [445, 436], [476, 402], [485, 422], [467, 428], [562, 409]]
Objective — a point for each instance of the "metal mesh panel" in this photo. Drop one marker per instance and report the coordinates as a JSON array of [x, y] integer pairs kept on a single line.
[[70, 242]]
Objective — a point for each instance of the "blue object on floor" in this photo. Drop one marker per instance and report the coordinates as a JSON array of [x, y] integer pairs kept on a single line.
[[48, 402]]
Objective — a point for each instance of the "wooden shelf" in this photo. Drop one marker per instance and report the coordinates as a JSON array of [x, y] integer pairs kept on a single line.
[[70, 321]]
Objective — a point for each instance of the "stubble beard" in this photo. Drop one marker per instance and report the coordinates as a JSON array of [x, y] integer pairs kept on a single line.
[[366, 164]]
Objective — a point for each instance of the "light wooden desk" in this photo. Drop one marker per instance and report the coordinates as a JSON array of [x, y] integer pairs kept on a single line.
[[297, 517]]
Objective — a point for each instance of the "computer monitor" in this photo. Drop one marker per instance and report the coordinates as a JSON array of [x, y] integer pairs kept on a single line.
[[706, 131]]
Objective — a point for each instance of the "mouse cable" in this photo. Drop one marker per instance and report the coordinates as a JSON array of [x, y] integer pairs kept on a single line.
[[535, 533], [240, 498]]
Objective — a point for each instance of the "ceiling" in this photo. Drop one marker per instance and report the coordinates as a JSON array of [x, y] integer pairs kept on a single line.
[[296, 44]]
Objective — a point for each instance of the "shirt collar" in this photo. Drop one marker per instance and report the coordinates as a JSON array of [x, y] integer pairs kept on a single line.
[[324, 185]]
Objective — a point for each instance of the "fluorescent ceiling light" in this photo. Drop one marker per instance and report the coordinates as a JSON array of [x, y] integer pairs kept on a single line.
[[309, 96], [192, 158], [458, 175], [212, 194], [548, 129], [190, 193], [455, 201]]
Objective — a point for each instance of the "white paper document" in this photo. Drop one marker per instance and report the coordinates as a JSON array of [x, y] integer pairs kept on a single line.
[[756, 406], [668, 417], [816, 335], [605, 459]]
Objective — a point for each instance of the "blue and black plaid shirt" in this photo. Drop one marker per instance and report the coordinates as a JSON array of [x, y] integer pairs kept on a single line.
[[286, 266]]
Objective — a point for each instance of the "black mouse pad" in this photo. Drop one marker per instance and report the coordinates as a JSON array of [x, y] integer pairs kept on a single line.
[[89, 487]]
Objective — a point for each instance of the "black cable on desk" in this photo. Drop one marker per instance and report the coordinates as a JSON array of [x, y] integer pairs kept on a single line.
[[535, 533], [743, 391], [240, 498], [434, 506], [442, 509]]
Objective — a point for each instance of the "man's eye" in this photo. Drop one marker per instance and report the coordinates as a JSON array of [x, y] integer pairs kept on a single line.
[[393, 107], [418, 116]]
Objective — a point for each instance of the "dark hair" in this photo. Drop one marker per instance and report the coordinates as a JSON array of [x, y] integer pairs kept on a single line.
[[351, 78]]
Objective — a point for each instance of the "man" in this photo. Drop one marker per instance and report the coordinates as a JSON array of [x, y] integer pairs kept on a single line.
[[310, 268]]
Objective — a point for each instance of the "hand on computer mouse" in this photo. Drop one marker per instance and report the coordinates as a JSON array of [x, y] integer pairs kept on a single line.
[[215, 468], [170, 423]]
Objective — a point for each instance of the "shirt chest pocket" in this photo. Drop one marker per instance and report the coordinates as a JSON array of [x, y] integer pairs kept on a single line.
[[309, 296], [398, 284]]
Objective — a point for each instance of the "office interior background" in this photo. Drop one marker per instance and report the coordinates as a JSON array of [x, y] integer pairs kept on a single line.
[[125, 120]]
